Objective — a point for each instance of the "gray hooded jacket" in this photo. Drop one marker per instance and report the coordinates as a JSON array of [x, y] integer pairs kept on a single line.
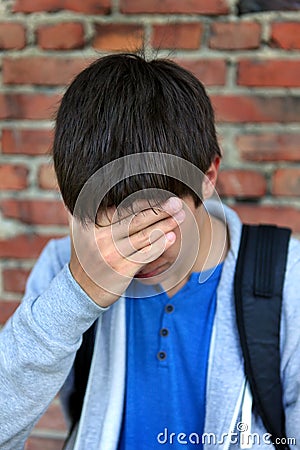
[[39, 342]]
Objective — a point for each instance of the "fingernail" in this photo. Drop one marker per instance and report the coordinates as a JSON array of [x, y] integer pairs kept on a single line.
[[180, 216], [173, 204], [171, 236]]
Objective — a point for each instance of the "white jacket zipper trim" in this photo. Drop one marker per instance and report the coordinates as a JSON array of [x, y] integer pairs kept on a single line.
[[234, 420], [245, 424]]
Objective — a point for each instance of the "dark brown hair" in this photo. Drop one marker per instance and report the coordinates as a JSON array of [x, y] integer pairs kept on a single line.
[[123, 104]]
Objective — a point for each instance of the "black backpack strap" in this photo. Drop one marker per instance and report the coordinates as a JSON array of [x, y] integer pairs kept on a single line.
[[81, 369], [258, 286]]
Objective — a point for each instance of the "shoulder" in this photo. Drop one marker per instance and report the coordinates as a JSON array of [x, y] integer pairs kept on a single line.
[[60, 249], [52, 259], [55, 254], [290, 331], [291, 289], [290, 336], [292, 282], [294, 251]]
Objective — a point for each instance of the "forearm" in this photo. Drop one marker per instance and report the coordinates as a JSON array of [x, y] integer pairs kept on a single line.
[[37, 349]]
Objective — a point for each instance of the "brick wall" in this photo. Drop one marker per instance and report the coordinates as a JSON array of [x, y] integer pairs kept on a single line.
[[250, 64]]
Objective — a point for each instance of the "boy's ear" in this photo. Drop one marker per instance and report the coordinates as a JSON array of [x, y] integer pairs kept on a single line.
[[210, 179]]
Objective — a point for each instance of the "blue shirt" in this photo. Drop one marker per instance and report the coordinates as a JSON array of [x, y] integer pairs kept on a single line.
[[168, 342]]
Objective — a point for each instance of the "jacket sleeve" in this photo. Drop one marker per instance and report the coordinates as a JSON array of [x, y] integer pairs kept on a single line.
[[38, 345], [290, 345]]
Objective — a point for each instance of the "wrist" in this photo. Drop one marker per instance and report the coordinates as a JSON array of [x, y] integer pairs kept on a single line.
[[99, 295]]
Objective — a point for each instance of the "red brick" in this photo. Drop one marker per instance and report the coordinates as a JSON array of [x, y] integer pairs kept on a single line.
[[43, 212], [26, 142], [14, 280], [12, 36], [285, 35], [60, 36], [256, 108], [38, 443], [235, 36], [213, 7], [42, 70], [286, 182], [269, 147], [28, 106], [23, 246], [241, 183], [7, 308], [86, 6], [13, 177], [53, 418], [47, 178], [118, 37], [283, 216], [177, 35], [211, 72], [279, 73]]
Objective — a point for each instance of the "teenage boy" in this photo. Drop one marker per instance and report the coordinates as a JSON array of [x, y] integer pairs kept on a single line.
[[153, 262]]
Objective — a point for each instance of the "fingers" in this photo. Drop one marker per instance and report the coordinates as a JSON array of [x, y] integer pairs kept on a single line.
[[144, 228], [134, 240], [116, 215], [152, 251], [145, 218], [134, 233], [146, 236]]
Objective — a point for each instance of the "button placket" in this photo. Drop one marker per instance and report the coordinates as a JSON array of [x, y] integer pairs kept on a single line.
[[165, 335]]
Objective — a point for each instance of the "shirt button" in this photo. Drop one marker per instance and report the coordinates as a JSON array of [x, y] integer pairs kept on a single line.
[[169, 308], [164, 332], [161, 356]]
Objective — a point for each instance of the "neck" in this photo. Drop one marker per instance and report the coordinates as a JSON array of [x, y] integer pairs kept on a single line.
[[213, 243], [212, 250]]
